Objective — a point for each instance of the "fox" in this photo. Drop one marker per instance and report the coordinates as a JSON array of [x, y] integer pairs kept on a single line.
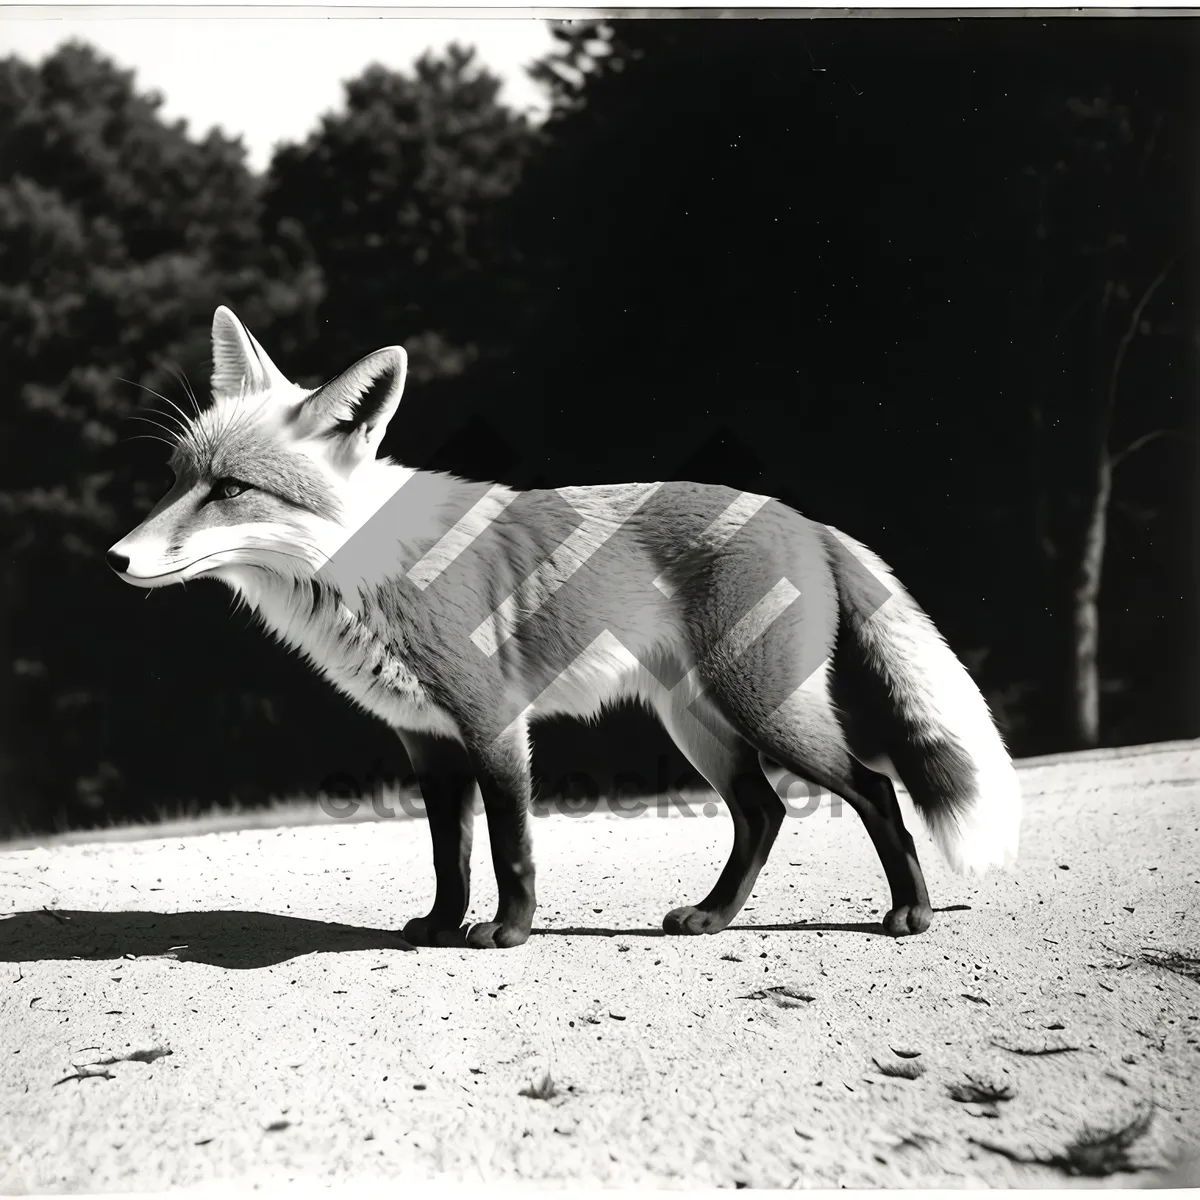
[[461, 613]]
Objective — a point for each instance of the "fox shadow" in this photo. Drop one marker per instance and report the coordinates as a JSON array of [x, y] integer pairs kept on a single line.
[[872, 927], [241, 940], [233, 938]]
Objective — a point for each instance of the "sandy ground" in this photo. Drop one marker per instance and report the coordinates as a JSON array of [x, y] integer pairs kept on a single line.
[[304, 1041]]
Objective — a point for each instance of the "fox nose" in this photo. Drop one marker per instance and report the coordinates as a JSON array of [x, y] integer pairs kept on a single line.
[[118, 562]]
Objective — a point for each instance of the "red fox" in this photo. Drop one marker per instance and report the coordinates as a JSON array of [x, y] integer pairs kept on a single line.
[[461, 612]]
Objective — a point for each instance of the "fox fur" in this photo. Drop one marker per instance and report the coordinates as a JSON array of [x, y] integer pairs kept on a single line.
[[460, 612]]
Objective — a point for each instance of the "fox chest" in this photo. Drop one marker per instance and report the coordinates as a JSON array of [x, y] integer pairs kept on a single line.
[[359, 661]]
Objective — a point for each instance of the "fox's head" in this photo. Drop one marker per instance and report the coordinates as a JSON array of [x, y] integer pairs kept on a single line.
[[268, 475]]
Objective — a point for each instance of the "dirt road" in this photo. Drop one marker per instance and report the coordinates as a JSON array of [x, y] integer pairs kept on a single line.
[[179, 1011]]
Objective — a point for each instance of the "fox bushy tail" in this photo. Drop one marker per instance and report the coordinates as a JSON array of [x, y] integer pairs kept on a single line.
[[937, 729]]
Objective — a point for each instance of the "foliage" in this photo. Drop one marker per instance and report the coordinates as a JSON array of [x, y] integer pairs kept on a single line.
[[863, 239], [397, 194], [119, 234]]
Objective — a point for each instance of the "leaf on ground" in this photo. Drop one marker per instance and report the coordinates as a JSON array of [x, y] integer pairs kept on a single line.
[[900, 1070], [142, 1056], [914, 1141], [974, 1091]]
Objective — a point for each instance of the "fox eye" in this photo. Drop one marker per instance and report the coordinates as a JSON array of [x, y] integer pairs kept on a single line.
[[227, 489]]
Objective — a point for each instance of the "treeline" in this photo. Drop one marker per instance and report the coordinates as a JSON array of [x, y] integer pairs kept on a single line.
[[929, 281]]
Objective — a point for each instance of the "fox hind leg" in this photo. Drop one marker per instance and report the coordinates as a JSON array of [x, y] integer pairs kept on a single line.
[[803, 736], [873, 797], [730, 765]]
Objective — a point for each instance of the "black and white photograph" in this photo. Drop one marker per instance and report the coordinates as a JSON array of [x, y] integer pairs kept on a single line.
[[599, 598]]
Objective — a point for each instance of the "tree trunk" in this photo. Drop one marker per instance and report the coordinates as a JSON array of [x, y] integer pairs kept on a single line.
[[1084, 684], [1085, 612]]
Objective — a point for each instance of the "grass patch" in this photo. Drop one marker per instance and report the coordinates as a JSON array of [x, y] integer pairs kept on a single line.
[[1094, 1154], [1187, 965], [541, 1087], [1097, 1153]]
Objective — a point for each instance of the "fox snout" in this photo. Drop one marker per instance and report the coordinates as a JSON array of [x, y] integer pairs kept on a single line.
[[142, 560]]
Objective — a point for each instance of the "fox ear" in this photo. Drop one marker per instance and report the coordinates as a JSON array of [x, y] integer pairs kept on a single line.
[[238, 359], [354, 409]]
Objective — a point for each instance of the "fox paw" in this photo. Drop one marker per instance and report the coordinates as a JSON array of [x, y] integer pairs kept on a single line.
[[908, 918], [421, 931], [491, 935], [690, 920]]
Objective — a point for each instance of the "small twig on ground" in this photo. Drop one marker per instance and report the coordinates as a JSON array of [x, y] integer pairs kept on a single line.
[[1035, 1052], [87, 1072]]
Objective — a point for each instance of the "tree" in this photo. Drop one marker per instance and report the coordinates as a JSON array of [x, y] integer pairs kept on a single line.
[[119, 234], [809, 225], [397, 196], [1108, 229]]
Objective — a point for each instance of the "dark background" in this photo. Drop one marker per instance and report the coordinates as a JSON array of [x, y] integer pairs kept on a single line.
[[931, 281]]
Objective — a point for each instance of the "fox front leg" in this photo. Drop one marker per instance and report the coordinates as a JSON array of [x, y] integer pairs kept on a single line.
[[448, 787], [502, 768]]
